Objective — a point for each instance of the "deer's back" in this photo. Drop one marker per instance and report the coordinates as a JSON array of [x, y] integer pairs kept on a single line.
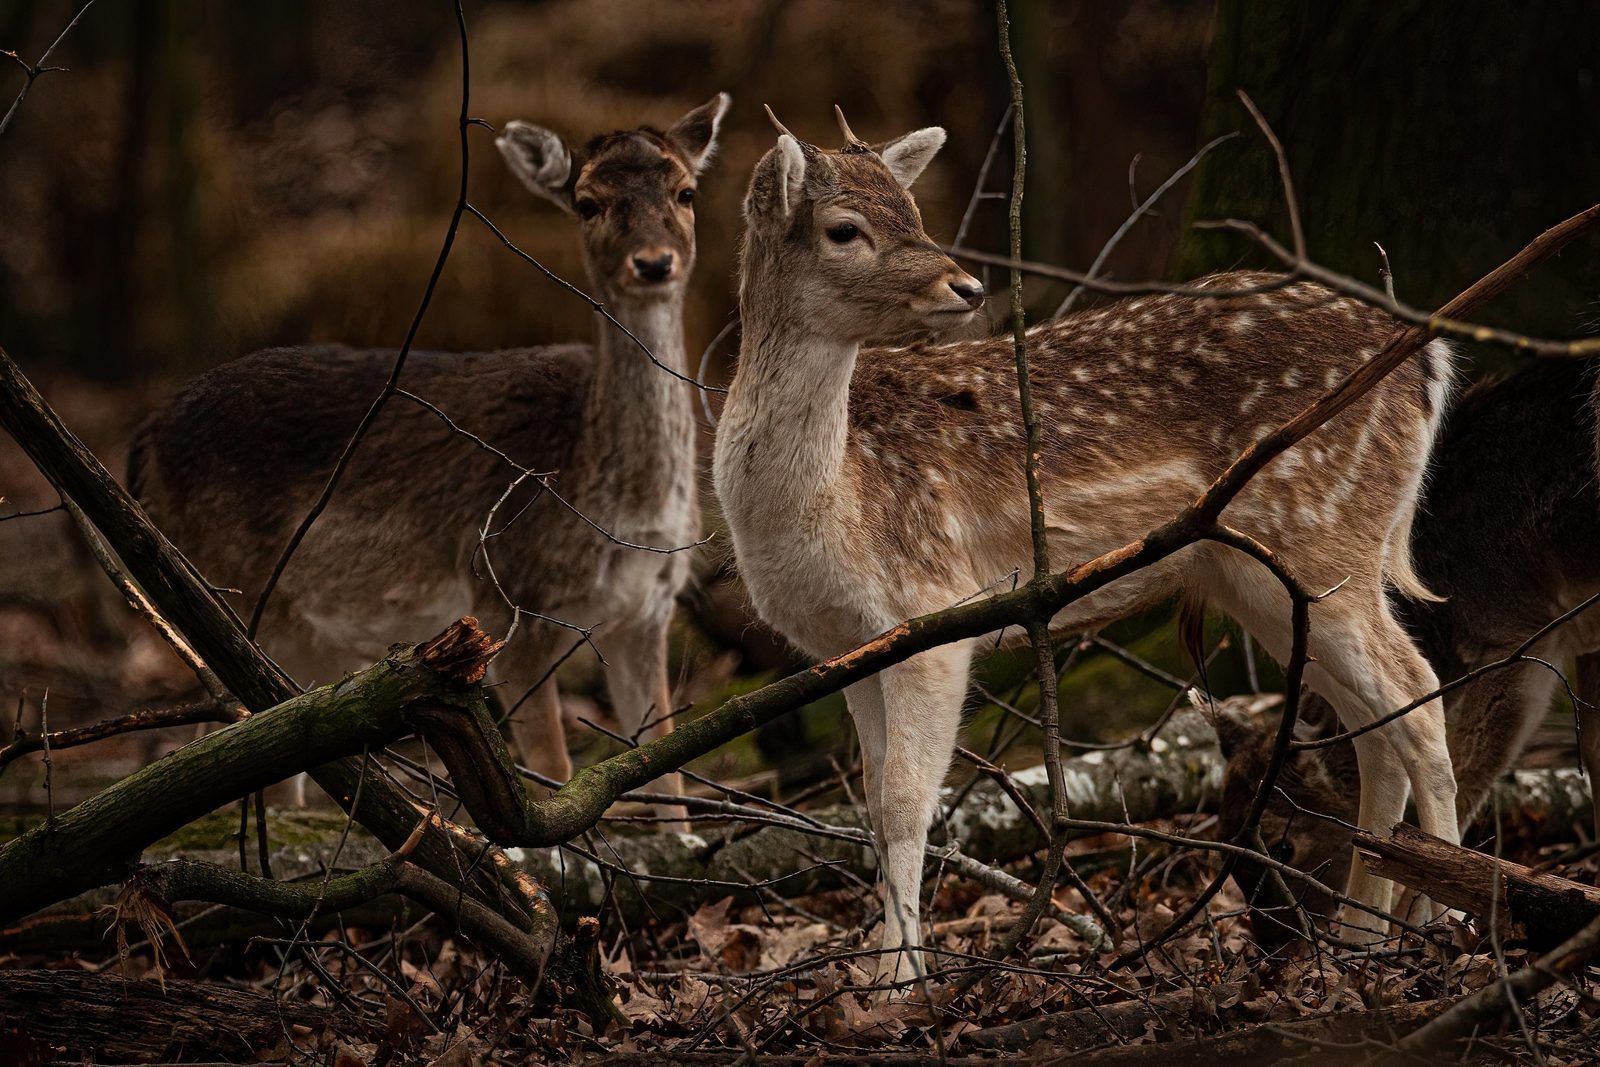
[[230, 467], [1142, 403]]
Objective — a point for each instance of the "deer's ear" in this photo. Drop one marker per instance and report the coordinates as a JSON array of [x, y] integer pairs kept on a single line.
[[909, 154], [539, 158], [778, 185], [696, 133]]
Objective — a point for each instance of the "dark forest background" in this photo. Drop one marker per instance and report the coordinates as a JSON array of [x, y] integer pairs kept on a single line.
[[213, 177], [216, 176]]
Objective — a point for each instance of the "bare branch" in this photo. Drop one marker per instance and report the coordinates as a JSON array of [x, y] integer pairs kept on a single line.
[[1285, 179], [392, 385], [34, 71]]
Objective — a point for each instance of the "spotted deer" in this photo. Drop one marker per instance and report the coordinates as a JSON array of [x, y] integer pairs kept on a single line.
[[233, 463], [1507, 534], [863, 485]]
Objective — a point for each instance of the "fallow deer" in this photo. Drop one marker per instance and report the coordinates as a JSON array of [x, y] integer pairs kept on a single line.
[[232, 464], [1507, 534], [864, 485]]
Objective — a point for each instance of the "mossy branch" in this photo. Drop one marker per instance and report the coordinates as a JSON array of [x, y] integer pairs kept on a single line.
[[100, 840]]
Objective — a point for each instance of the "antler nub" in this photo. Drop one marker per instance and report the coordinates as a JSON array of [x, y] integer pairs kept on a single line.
[[851, 141], [774, 120]]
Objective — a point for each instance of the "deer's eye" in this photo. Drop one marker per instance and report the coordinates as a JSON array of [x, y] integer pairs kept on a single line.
[[686, 196], [1282, 851], [587, 209], [843, 233]]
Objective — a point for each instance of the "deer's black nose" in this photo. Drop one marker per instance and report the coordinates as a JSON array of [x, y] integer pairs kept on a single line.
[[653, 268], [970, 290]]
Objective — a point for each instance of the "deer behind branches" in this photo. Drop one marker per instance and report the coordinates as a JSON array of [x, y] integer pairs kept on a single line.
[[1508, 534], [865, 485], [229, 468]]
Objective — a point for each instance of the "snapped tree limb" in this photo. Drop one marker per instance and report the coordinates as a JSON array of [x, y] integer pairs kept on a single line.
[[1535, 907]]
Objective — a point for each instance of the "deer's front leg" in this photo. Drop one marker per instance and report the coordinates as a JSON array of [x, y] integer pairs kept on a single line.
[[640, 686], [922, 714], [532, 702]]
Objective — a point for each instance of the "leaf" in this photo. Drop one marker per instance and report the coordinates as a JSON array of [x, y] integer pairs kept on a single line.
[[642, 1007], [347, 1055], [792, 942], [461, 1054], [736, 946]]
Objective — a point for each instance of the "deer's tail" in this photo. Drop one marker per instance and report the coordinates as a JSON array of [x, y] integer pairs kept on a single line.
[[1192, 633], [1439, 377]]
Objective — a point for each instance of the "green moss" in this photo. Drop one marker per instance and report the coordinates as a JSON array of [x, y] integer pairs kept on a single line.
[[304, 828]]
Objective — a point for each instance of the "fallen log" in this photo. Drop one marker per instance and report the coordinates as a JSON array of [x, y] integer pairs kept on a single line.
[[1328, 1039], [1178, 772], [1529, 907], [1315, 1039], [100, 842], [103, 1018]]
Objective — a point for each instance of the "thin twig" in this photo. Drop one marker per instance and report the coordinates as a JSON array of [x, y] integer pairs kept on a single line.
[[390, 387], [978, 193], [1285, 179], [146, 610], [49, 787], [34, 71], [595, 305], [1140, 210], [1038, 626], [204, 711]]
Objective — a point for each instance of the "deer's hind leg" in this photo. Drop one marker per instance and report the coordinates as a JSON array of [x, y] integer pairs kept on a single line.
[[531, 702], [1366, 666]]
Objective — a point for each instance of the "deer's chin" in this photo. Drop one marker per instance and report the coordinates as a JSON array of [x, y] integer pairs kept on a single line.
[[944, 319], [634, 290]]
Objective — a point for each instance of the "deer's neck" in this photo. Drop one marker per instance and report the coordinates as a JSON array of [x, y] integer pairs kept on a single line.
[[784, 432], [639, 425], [629, 391]]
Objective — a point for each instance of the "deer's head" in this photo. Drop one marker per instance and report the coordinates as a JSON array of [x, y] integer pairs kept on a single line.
[[1313, 782], [838, 236], [632, 192]]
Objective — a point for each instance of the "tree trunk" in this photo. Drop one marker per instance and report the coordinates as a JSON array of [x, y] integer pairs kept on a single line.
[[1442, 134]]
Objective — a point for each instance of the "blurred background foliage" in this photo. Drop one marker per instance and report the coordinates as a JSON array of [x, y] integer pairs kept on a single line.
[[214, 177]]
